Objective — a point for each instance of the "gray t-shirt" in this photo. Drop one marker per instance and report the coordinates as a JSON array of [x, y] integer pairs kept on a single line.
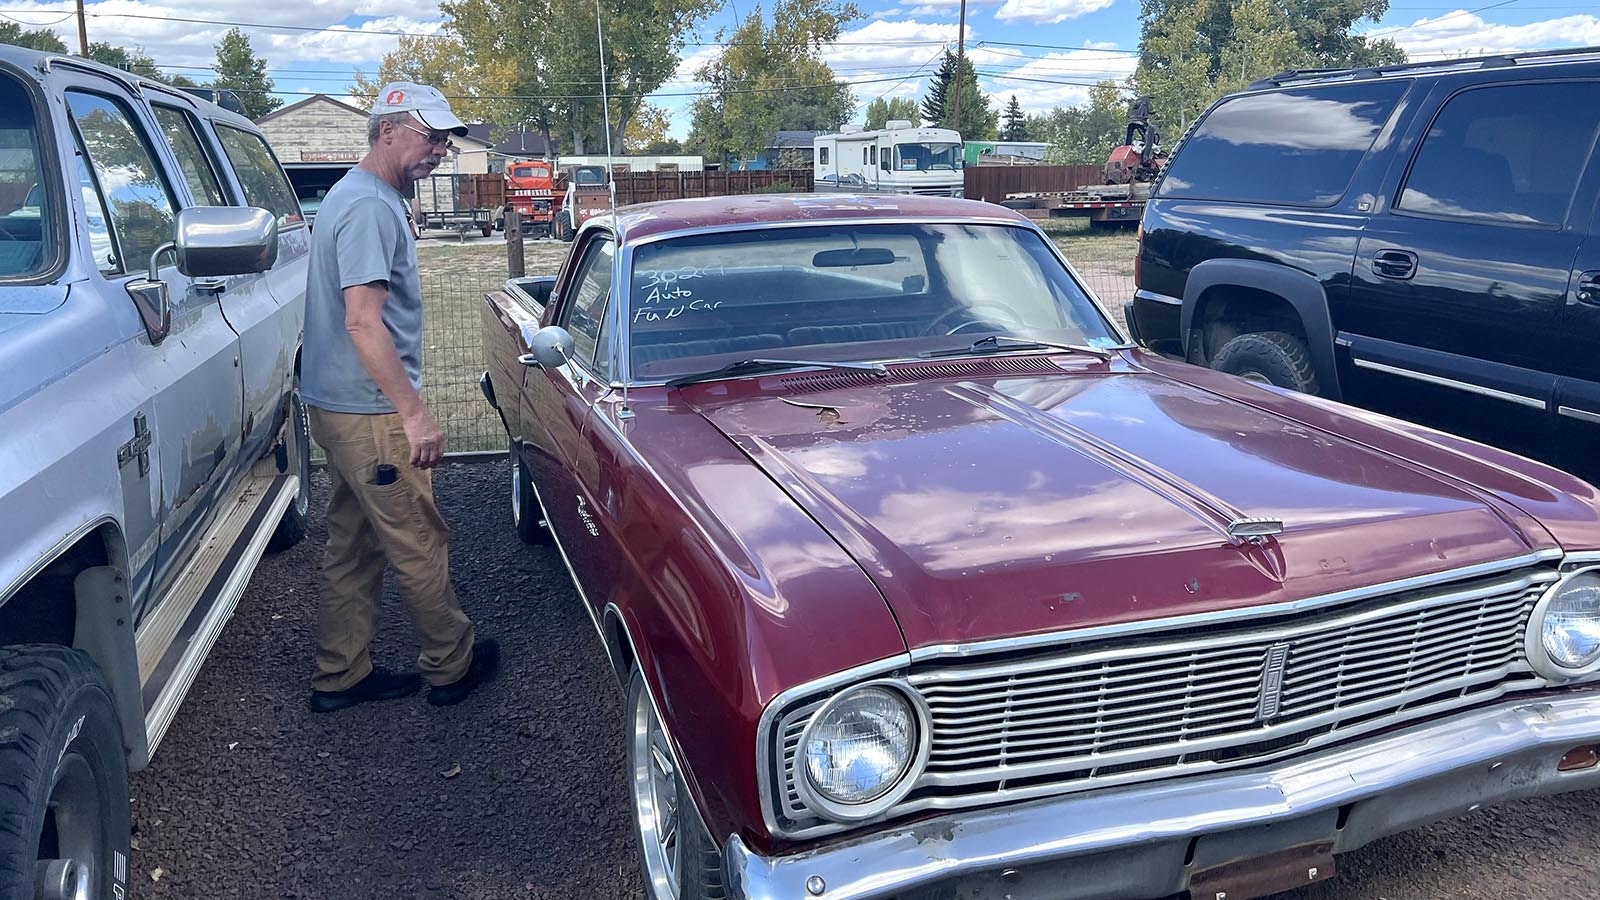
[[360, 236]]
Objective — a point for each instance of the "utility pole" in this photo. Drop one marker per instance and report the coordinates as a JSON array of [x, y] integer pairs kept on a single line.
[[83, 32], [959, 81]]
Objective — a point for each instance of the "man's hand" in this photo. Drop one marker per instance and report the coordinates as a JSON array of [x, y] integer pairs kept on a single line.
[[426, 439]]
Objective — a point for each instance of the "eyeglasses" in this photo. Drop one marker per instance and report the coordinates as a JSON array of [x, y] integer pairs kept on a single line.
[[434, 140]]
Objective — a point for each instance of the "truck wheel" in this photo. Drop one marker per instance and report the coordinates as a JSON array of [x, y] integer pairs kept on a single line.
[[1269, 357], [296, 452], [487, 230], [64, 819], [526, 514], [677, 857]]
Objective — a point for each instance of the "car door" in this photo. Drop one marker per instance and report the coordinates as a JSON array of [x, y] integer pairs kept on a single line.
[[194, 369], [267, 310], [1578, 390], [1459, 290], [559, 402]]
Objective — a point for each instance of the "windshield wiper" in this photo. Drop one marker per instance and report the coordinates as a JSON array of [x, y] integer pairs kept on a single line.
[[992, 344], [752, 366]]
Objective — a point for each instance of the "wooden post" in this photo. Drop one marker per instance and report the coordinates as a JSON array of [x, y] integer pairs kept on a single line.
[[515, 264]]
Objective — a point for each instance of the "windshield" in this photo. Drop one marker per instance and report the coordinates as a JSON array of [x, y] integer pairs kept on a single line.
[[927, 157], [847, 293], [27, 217]]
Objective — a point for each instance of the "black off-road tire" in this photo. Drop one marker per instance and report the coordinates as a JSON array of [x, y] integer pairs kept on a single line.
[[700, 864], [63, 774], [1270, 356], [526, 513], [563, 228], [294, 456]]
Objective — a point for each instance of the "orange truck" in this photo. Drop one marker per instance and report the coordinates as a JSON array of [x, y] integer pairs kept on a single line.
[[530, 190]]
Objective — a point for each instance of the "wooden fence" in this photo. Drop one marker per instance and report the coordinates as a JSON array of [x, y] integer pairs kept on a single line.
[[993, 183], [643, 187]]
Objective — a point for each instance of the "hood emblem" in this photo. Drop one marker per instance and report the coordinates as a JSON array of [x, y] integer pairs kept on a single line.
[[1254, 530]]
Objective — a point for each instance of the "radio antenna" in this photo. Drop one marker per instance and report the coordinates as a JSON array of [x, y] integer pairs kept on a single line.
[[615, 307]]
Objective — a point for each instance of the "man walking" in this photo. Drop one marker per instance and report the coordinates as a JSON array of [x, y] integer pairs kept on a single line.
[[362, 379]]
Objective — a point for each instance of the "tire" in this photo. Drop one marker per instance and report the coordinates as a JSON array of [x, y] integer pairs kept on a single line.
[[63, 776], [695, 869], [294, 451], [1017, 204], [1271, 357], [563, 228], [526, 514], [487, 230]]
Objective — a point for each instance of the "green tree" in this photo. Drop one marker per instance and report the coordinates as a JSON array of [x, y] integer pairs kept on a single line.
[[32, 38], [241, 71], [979, 120], [647, 133], [1086, 134], [772, 79], [881, 112], [1016, 127], [1193, 51]]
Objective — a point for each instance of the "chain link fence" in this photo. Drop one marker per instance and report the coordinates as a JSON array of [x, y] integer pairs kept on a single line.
[[457, 272]]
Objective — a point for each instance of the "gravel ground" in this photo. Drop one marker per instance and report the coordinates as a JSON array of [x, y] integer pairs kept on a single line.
[[251, 796]]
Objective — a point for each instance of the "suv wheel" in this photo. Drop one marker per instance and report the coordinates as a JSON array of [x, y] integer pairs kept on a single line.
[[1269, 357], [65, 825], [678, 858]]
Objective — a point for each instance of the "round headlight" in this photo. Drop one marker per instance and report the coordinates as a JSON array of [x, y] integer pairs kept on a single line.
[[858, 749], [1569, 630]]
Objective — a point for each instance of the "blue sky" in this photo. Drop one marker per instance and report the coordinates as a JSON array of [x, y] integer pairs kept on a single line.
[[1046, 52]]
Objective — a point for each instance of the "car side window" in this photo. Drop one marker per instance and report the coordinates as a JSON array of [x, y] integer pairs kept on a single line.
[[131, 184], [262, 178], [584, 315], [182, 134], [1506, 153]]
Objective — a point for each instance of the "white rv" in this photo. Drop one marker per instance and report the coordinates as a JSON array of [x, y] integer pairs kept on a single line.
[[897, 159]]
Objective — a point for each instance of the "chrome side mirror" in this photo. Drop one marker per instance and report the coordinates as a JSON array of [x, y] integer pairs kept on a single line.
[[551, 348], [217, 241]]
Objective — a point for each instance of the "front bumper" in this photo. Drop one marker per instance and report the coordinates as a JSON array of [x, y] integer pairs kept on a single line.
[[1148, 840]]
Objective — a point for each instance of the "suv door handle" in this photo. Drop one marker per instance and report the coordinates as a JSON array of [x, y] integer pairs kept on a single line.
[[1399, 264], [1589, 288]]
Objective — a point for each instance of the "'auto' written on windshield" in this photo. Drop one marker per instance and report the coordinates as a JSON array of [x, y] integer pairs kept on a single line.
[[667, 295]]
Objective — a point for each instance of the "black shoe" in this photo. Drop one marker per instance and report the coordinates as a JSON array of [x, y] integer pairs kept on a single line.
[[379, 685], [485, 660]]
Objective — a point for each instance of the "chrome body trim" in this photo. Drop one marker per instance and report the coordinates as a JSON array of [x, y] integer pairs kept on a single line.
[[1153, 297], [1441, 381], [1580, 414], [1050, 639], [1389, 784]]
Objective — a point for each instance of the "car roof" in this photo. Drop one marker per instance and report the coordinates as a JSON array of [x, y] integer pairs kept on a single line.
[[668, 217], [1509, 61]]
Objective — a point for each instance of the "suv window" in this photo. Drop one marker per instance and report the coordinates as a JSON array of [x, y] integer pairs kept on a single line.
[[27, 217], [1292, 147], [180, 129], [1505, 153], [263, 180], [585, 315], [132, 185]]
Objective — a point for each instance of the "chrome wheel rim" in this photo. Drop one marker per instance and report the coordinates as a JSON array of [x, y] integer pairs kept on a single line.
[[1253, 375], [516, 488], [302, 449], [655, 801], [73, 842]]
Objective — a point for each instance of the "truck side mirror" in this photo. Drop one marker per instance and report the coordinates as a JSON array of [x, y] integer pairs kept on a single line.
[[550, 348], [216, 241]]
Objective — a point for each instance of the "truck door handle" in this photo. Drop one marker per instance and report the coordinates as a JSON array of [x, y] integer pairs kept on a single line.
[[1589, 288], [1398, 264]]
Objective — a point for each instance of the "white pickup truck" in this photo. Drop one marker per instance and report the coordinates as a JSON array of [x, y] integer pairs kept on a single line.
[[152, 440]]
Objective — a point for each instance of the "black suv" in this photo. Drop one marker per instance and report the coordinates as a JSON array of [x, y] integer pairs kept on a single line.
[[1421, 240]]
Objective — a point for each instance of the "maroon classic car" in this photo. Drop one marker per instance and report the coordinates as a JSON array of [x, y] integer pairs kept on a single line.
[[923, 583]]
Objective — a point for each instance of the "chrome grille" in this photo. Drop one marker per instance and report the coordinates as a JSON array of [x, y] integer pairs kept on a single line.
[[1137, 709]]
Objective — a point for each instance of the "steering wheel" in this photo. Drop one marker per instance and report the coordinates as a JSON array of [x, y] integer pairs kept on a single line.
[[982, 314]]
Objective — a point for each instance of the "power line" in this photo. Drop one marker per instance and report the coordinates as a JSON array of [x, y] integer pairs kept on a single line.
[[1465, 12]]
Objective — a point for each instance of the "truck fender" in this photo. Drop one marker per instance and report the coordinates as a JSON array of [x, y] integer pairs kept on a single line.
[[105, 631], [1300, 290]]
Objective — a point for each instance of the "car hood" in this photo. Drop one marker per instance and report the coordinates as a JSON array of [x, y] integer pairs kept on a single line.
[[995, 506]]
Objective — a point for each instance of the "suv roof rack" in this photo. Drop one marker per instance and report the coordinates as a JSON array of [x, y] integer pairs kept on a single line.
[[1293, 76]]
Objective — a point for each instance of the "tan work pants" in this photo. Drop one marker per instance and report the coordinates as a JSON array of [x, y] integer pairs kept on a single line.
[[370, 525]]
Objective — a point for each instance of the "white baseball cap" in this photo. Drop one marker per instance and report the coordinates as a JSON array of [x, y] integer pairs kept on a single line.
[[425, 104]]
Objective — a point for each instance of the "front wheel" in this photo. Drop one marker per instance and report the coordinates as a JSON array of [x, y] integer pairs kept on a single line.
[[1269, 357], [526, 514], [676, 855], [64, 820]]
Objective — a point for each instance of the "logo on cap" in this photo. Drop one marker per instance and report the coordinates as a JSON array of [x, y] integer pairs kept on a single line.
[[395, 97]]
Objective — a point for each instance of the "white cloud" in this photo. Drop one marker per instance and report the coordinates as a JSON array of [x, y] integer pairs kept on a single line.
[[1072, 73], [1048, 11], [1461, 33]]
